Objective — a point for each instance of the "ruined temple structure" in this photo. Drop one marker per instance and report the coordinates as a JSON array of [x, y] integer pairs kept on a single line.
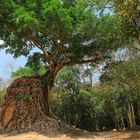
[[25, 107]]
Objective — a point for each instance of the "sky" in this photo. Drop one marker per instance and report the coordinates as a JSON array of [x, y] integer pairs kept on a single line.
[[8, 63]]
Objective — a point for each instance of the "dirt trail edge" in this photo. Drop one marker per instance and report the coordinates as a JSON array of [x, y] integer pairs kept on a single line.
[[73, 135]]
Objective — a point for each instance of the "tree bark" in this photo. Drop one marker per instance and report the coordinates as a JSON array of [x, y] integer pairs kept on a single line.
[[48, 80], [129, 109]]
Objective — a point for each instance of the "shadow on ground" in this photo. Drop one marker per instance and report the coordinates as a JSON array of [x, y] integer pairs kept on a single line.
[[70, 134]]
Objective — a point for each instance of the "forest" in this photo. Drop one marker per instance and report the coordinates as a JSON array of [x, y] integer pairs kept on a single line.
[[112, 102], [83, 64]]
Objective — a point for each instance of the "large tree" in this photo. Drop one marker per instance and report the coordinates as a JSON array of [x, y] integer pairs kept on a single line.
[[66, 32]]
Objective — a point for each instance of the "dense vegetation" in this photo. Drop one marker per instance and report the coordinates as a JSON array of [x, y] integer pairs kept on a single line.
[[65, 32], [108, 105], [114, 102], [78, 32]]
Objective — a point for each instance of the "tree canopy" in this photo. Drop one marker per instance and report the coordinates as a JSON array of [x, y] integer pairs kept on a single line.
[[66, 32], [129, 13]]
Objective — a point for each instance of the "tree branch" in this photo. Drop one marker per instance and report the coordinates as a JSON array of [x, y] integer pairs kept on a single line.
[[47, 57], [138, 49], [136, 44], [82, 61], [38, 45], [31, 39]]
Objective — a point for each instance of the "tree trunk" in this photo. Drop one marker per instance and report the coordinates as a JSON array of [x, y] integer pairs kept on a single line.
[[26, 105], [47, 82], [46, 98], [96, 123], [130, 114], [138, 112], [122, 123]]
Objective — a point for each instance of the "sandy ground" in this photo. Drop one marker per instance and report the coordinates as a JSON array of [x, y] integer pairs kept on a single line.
[[74, 135]]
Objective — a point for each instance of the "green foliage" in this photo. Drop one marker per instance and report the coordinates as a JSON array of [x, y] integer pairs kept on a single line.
[[28, 24], [113, 104], [26, 97], [77, 104], [23, 72], [69, 78], [125, 77], [2, 90], [80, 109], [128, 11], [28, 71], [70, 31], [2, 95], [36, 62]]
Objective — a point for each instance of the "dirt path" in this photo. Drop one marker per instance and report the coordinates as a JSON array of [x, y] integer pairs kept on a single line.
[[74, 135]]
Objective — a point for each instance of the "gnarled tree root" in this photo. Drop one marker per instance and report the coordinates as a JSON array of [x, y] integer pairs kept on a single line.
[[25, 107]]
